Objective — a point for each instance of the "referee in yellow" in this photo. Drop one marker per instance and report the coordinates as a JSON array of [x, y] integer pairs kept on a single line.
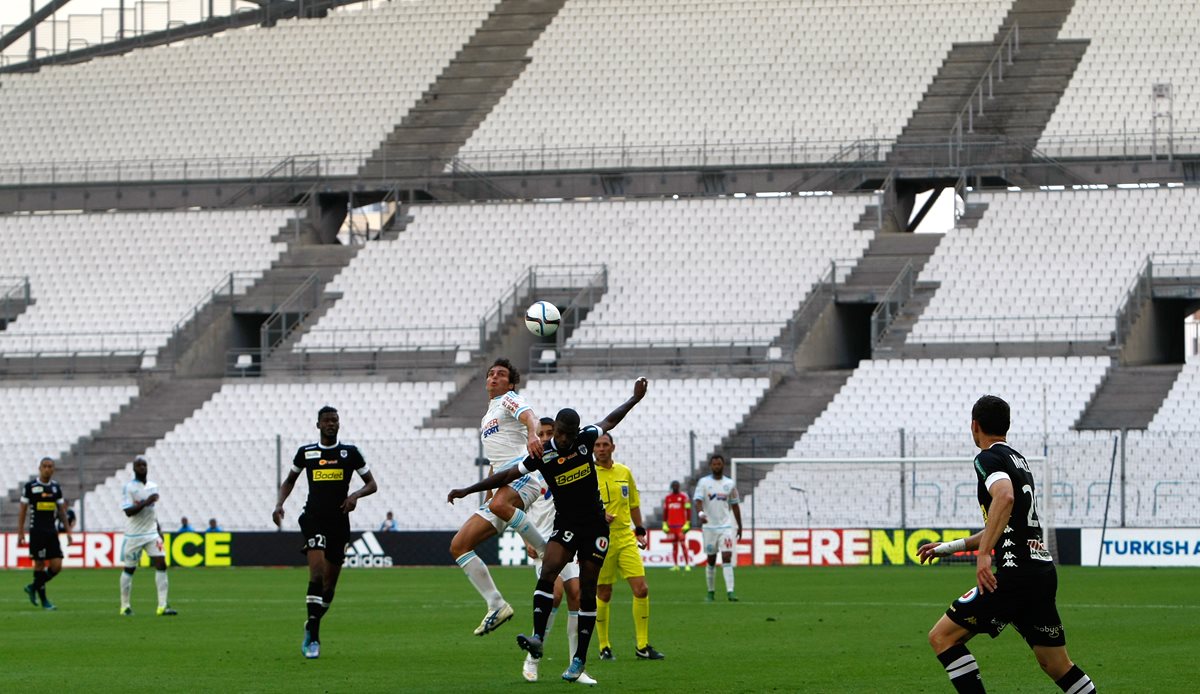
[[626, 537]]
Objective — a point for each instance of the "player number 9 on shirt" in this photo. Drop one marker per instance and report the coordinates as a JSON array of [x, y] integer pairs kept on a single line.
[[542, 318]]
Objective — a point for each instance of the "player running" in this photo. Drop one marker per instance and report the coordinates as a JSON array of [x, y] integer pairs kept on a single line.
[[509, 434], [580, 529], [541, 513], [45, 496], [677, 521], [721, 496], [626, 539], [142, 534], [325, 521], [1022, 591]]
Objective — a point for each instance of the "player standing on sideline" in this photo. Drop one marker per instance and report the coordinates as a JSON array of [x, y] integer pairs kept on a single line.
[[46, 497], [325, 521], [626, 539], [1022, 590], [142, 533], [677, 520], [509, 434], [541, 513], [721, 495], [579, 526]]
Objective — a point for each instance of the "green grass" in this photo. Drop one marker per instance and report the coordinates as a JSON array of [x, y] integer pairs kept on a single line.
[[845, 629]]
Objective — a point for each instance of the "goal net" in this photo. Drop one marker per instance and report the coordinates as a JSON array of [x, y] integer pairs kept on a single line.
[[888, 493]]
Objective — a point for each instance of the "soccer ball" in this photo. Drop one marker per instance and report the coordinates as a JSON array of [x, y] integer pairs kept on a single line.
[[542, 319]]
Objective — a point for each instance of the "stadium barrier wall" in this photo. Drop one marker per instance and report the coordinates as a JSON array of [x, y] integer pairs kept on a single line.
[[1140, 547], [762, 547]]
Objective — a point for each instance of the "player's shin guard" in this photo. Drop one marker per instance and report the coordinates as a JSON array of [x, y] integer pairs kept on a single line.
[[587, 624], [477, 573], [1075, 681], [523, 527], [160, 582], [962, 669], [602, 623], [572, 633], [641, 620], [543, 604], [727, 569], [126, 588]]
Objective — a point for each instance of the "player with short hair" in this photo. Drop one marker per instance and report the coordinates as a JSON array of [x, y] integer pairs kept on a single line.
[[677, 521], [721, 496], [509, 434], [45, 496], [580, 529], [541, 513], [142, 534], [626, 539], [325, 521], [1022, 590]]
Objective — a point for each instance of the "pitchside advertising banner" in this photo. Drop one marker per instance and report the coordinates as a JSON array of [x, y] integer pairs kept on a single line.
[[763, 547], [1140, 547]]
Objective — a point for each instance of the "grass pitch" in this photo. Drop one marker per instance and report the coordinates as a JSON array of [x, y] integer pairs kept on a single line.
[[838, 629]]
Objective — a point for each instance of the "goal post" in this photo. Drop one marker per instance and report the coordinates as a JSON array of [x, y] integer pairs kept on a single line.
[[875, 493]]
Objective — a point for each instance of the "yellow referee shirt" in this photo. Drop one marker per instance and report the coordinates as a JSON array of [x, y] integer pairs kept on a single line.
[[619, 493]]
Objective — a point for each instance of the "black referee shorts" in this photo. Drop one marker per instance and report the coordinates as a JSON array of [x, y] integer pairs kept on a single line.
[[1027, 602], [43, 545], [329, 534]]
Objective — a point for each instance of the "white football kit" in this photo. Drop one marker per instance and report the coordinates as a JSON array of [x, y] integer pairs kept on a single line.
[[504, 445], [718, 497], [141, 529]]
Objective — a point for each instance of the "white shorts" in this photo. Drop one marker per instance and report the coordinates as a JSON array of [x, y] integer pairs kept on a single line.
[[570, 572], [131, 548], [718, 540], [528, 487]]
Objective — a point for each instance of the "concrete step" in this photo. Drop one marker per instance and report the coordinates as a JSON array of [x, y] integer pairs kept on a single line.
[[1129, 397]]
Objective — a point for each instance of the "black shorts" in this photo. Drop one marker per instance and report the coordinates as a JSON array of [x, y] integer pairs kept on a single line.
[[584, 541], [329, 535], [43, 545], [1026, 602]]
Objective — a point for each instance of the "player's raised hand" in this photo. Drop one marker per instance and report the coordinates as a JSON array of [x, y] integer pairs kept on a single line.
[[277, 516], [534, 446], [983, 572], [639, 388]]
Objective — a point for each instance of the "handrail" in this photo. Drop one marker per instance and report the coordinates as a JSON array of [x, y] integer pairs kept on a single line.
[[278, 321], [571, 317], [1139, 290], [1010, 44], [789, 335], [311, 167], [458, 166], [893, 300]]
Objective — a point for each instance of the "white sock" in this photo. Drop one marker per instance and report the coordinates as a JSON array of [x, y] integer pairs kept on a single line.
[[550, 622], [126, 588], [728, 570], [710, 575], [520, 523], [572, 633], [477, 572], [160, 580]]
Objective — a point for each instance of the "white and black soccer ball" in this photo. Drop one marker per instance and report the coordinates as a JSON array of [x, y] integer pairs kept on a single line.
[[542, 318]]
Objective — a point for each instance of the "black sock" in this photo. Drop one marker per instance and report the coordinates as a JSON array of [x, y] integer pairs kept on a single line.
[[316, 607], [327, 600], [587, 624], [963, 671], [543, 603], [1075, 681], [39, 579]]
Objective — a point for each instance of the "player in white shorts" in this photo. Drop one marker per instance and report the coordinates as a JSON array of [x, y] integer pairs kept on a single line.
[[541, 512], [509, 434], [141, 534], [716, 500]]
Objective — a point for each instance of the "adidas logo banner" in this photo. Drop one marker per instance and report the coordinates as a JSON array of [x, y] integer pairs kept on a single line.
[[367, 553]]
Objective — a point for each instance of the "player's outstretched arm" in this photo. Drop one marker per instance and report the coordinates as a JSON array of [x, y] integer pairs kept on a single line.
[[533, 444], [928, 551], [285, 490], [494, 481], [614, 418], [369, 487]]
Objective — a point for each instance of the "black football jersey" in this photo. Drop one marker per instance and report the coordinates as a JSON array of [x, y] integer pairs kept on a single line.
[[43, 499], [571, 477], [1020, 549], [328, 471]]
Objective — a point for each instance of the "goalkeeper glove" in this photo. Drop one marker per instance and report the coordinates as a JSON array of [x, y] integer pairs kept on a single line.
[[665, 528], [687, 526]]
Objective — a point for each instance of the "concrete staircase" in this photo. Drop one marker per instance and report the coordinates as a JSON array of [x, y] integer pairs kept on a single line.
[[882, 262], [160, 406], [1129, 397], [1023, 102], [464, 94]]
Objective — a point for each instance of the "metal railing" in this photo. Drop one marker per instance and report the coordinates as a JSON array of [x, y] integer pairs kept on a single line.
[[1028, 329], [15, 295], [290, 313], [822, 290], [585, 299], [964, 122], [893, 300], [1139, 291]]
